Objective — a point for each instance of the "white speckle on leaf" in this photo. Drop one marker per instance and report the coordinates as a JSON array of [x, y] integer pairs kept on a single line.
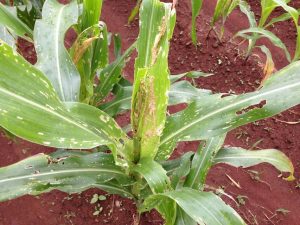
[[103, 118]]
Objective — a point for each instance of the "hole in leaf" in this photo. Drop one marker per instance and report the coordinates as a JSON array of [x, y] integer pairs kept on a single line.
[[121, 141], [70, 38], [226, 95], [249, 108], [64, 2], [177, 108]]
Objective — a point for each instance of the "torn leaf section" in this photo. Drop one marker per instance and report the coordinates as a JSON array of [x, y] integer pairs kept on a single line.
[[53, 59], [9, 19], [150, 93], [6, 36]]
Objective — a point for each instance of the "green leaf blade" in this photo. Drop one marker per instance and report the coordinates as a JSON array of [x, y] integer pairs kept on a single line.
[[13, 23], [102, 125], [111, 75], [31, 109], [135, 11], [183, 219], [6, 36], [267, 34], [154, 174], [69, 172], [203, 207], [180, 92], [216, 114], [196, 7], [202, 162], [240, 157], [91, 13], [184, 92], [151, 77], [53, 58]]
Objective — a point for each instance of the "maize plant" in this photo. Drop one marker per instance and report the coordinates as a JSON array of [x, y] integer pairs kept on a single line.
[[260, 29]]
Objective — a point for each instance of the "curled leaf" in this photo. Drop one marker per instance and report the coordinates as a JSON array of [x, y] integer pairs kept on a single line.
[[240, 157]]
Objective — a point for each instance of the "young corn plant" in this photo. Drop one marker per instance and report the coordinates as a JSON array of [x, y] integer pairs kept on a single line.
[[47, 104], [260, 29], [256, 30], [222, 10]]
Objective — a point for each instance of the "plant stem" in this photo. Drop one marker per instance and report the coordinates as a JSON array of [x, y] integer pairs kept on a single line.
[[136, 219], [136, 149], [136, 188]]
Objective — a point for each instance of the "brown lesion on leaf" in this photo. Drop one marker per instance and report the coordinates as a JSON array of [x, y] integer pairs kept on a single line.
[[55, 161], [269, 69], [158, 40], [82, 44], [138, 105], [144, 115], [252, 107], [145, 105], [81, 48]]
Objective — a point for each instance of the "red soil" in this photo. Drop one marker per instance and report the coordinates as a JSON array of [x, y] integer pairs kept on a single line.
[[263, 195]]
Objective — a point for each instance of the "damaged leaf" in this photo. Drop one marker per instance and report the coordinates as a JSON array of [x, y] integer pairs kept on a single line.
[[14, 24], [269, 65], [69, 172], [53, 58], [216, 114], [25, 102], [149, 97], [85, 39]]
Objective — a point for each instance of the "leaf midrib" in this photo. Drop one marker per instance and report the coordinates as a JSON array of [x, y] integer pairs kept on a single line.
[[46, 109], [82, 170], [263, 158], [174, 134], [128, 98], [200, 167], [204, 208], [116, 65], [57, 29]]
